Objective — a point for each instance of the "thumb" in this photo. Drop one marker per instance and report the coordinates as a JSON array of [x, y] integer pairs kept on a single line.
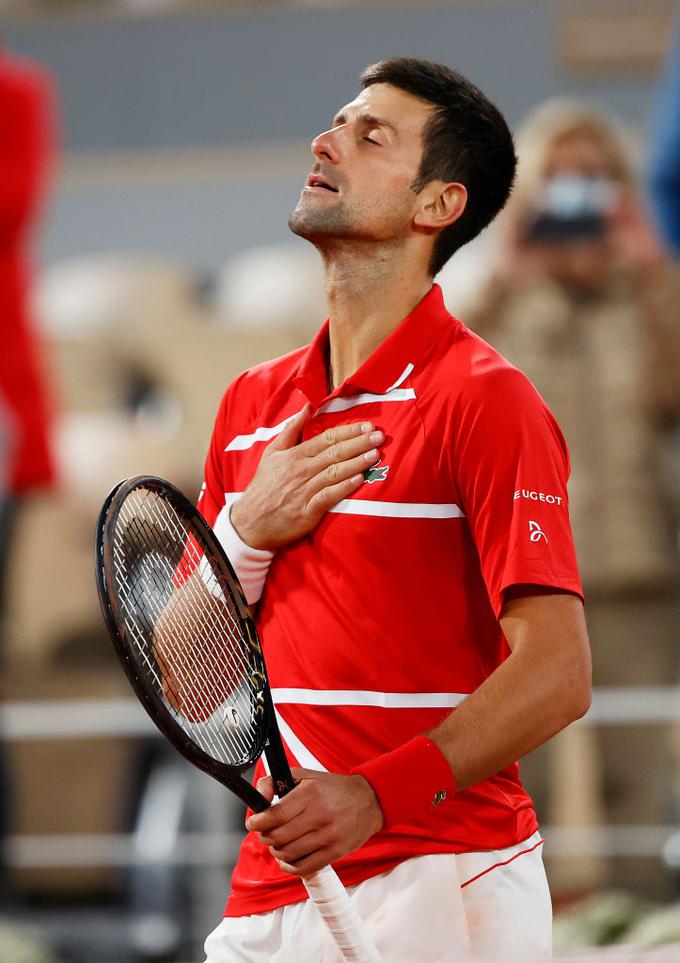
[[290, 436], [298, 773], [265, 787]]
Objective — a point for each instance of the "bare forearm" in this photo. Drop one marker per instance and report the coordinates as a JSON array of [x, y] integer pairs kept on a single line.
[[180, 648], [534, 694]]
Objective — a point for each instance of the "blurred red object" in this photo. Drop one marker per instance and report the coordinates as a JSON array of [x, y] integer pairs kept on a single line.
[[27, 139]]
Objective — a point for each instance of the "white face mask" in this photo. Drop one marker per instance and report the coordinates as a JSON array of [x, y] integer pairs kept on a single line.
[[572, 196]]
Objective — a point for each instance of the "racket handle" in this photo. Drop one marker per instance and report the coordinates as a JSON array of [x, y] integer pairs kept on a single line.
[[341, 917]]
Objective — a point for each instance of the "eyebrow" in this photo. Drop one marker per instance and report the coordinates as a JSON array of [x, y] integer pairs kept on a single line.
[[371, 120]]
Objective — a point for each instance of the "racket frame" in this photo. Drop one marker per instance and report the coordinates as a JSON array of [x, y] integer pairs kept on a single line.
[[269, 739]]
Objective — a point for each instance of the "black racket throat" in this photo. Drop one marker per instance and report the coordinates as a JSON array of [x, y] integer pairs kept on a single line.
[[184, 635]]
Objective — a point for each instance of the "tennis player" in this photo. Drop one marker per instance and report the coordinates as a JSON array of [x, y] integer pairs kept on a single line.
[[394, 498]]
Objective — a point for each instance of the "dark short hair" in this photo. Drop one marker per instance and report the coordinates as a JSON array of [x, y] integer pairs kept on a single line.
[[465, 140]]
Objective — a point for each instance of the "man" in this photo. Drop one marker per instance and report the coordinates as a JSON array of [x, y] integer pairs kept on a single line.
[[394, 497]]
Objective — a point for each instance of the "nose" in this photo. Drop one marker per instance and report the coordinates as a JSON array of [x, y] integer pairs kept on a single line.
[[325, 146]]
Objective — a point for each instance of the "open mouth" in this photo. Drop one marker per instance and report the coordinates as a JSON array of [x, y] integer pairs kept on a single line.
[[314, 181]]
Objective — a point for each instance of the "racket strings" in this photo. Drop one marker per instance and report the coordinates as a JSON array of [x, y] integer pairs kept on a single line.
[[164, 670], [174, 678], [193, 662], [200, 563], [238, 660], [180, 626], [185, 629]]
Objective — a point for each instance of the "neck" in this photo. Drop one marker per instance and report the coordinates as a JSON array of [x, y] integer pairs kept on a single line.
[[367, 299]]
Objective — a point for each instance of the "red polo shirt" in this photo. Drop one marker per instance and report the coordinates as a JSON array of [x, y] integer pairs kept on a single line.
[[380, 621]]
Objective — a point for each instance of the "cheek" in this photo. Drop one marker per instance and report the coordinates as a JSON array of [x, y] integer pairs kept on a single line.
[[385, 192]]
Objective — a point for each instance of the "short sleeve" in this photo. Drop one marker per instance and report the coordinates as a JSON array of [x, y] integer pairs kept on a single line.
[[211, 496], [511, 466]]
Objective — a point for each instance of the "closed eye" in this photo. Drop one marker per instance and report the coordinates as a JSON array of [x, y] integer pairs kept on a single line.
[[371, 141]]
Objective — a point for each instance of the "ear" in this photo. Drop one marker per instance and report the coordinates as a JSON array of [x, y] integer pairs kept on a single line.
[[440, 205]]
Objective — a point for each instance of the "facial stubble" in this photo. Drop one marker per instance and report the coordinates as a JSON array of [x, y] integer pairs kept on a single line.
[[312, 221], [378, 222]]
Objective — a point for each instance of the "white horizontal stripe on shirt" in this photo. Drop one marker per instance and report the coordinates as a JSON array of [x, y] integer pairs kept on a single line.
[[393, 393], [243, 442], [366, 398], [367, 697], [364, 506]]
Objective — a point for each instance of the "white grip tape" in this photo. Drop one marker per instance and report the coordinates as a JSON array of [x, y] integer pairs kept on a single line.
[[341, 917]]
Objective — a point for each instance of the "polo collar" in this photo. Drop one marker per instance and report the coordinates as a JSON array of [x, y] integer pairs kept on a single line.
[[381, 371]]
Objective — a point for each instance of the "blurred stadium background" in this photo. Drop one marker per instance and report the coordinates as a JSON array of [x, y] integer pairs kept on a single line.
[[161, 249]]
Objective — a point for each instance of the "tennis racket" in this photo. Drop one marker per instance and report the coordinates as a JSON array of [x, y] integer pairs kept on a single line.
[[185, 637]]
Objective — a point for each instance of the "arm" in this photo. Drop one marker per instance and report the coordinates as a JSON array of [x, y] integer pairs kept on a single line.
[[541, 687]]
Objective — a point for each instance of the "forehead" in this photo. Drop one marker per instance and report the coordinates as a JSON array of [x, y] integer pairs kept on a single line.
[[579, 147], [405, 112]]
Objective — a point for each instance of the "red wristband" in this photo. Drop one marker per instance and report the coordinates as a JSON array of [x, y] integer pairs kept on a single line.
[[410, 781]]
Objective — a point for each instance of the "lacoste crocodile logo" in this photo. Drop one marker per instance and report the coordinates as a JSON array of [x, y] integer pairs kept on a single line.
[[376, 474]]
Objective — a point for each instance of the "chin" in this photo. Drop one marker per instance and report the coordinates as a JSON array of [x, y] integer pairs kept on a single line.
[[313, 224], [296, 222]]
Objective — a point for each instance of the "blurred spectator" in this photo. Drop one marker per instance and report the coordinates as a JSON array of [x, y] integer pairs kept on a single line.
[[583, 300], [26, 136], [665, 166], [25, 148]]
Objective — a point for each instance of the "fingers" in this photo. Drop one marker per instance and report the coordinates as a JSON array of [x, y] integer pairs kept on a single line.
[[277, 815], [341, 471], [290, 436], [311, 864], [335, 436], [299, 773], [298, 848], [285, 820], [282, 837], [342, 451], [328, 496], [341, 467], [317, 823]]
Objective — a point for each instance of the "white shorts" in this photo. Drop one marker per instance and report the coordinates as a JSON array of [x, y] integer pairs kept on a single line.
[[491, 906]]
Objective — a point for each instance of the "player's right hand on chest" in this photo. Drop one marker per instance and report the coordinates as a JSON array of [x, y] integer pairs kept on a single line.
[[296, 483]]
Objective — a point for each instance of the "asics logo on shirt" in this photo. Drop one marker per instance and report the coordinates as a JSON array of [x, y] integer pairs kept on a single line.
[[536, 533]]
